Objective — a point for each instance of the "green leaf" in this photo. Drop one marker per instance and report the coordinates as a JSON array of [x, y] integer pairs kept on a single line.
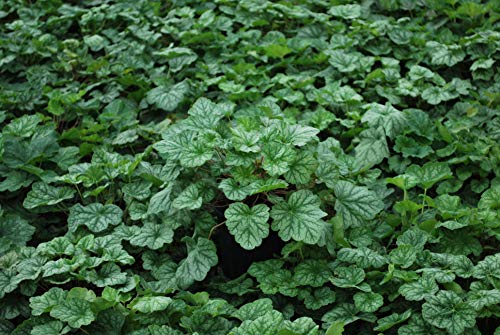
[[266, 185], [76, 312], [297, 134], [168, 98], [386, 117], [362, 257], [368, 301], [372, 148], [421, 289], [8, 281], [42, 194], [160, 202], [404, 255], [97, 217], [490, 199], [49, 328], [417, 325], [189, 198], [234, 191], [195, 154], [448, 311], [413, 236], [153, 235], [356, 204], [267, 324], [245, 141], [138, 190], [150, 304], [108, 275], [14, 231], [347, 277], [23, 126], [302, 326], [313, 273], [57, 246], [248, 225], [412, 148], [429, 174], [301, 168], [404, 182], [277, 158], [418, 72], [204, 114], [201, 257], [390, 321], [173, 146], [344, 312], [489, 267], [336, 328], [163, 330], [344, 62], [346, 11], [482, 298], [45, 302], [95, 42], [254, 309], [299, 218], [320, 297], [435, 95], [276, 50], [444, 54]]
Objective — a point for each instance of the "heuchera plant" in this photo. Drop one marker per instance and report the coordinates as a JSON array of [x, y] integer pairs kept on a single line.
[[249, 167]]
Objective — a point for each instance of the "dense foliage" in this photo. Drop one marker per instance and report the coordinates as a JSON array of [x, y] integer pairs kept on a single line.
[[150, 151]]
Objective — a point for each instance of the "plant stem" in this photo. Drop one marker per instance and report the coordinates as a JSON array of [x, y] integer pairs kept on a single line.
[[423, 201], [215, 227]]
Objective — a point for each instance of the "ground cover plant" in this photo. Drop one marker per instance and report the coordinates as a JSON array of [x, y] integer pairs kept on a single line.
[[249, 167]]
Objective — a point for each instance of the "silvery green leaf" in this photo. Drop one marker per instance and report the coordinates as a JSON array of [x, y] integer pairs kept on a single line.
[[189, 198], [49, 328], [248, 225], [356, 204], [347, 277], [390, 321], [139, 190], [96, 216], [254, 309], [372, 148], [346, 11], [150, 304], [386, 117], [267, 324], [201, 257], [299, 218], [368, 301], [301, 168], [490, 199], [153, 235], [302, 325], [42, 194], [313, 273], [430, 173], [447, 310], [233, 190], [76, 312], [421, 289], [160, 201], [168, 98], [479, 299], [442, 54], [362, 257], [277, 158]]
